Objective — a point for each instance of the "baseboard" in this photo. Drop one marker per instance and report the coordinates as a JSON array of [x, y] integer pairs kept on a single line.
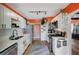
[[26, 52]]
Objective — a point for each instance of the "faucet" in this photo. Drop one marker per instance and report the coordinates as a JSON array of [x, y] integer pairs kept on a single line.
[[15, 33]]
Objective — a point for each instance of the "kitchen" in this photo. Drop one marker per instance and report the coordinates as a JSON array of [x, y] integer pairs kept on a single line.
[[13, 33], [39, 31]]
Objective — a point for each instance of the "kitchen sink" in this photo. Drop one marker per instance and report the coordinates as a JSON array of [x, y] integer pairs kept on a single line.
[[18, 37], [15, 38]]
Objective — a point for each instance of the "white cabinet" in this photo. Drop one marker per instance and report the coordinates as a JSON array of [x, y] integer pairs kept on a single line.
[[27, 40], [23, 43], [20, 46], [5, 18], [18, 20], [1, 17]]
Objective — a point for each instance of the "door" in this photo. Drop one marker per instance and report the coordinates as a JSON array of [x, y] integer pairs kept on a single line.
[[37, 32]]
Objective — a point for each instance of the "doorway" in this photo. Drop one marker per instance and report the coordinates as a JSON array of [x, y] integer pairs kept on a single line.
[[36, 32], [75, 39], [75, 33]]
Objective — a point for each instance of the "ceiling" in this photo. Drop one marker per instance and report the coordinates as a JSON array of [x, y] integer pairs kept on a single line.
[[51, 8]]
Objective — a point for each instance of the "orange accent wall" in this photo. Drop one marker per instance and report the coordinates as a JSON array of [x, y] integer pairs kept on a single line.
[[39, 20], [49, 18], [34, 20], [71, 7]]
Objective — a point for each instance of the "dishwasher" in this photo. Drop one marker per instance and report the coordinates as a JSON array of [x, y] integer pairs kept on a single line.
[[12, 50]]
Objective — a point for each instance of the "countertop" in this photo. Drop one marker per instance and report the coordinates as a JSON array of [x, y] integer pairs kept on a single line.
[[5, 42]]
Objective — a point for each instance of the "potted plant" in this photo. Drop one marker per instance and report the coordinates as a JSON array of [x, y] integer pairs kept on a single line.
[[44, 20]]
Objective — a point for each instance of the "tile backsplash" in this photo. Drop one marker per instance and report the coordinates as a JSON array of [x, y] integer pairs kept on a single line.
[[8, 32], [5, 32]]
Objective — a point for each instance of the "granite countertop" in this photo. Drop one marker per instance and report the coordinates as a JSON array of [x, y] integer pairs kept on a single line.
[[5, 42]]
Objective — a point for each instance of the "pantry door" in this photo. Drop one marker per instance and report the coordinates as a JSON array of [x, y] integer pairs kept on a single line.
[[37, 32]]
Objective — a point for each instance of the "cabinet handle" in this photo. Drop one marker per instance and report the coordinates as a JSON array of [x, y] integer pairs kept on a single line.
[[2, 25], [5, 25]]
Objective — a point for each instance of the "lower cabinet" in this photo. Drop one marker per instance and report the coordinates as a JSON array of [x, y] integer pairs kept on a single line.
[[27, 40], [59, 46], [20, 46], [23, 43]]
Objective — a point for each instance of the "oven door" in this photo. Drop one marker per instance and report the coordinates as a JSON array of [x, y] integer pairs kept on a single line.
[[12, 50]]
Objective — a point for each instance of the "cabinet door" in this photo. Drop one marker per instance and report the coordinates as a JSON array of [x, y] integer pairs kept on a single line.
[[7, 18], [20, 46], [1, 16], [28, 39], [25, 44]]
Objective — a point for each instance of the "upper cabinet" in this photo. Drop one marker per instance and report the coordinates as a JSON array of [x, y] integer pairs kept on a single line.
[[1, 17], [5, 18], [18, 22], [9, 19]]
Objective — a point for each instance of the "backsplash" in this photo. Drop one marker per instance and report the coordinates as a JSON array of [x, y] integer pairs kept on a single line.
[[5, 32], [8, 32]]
